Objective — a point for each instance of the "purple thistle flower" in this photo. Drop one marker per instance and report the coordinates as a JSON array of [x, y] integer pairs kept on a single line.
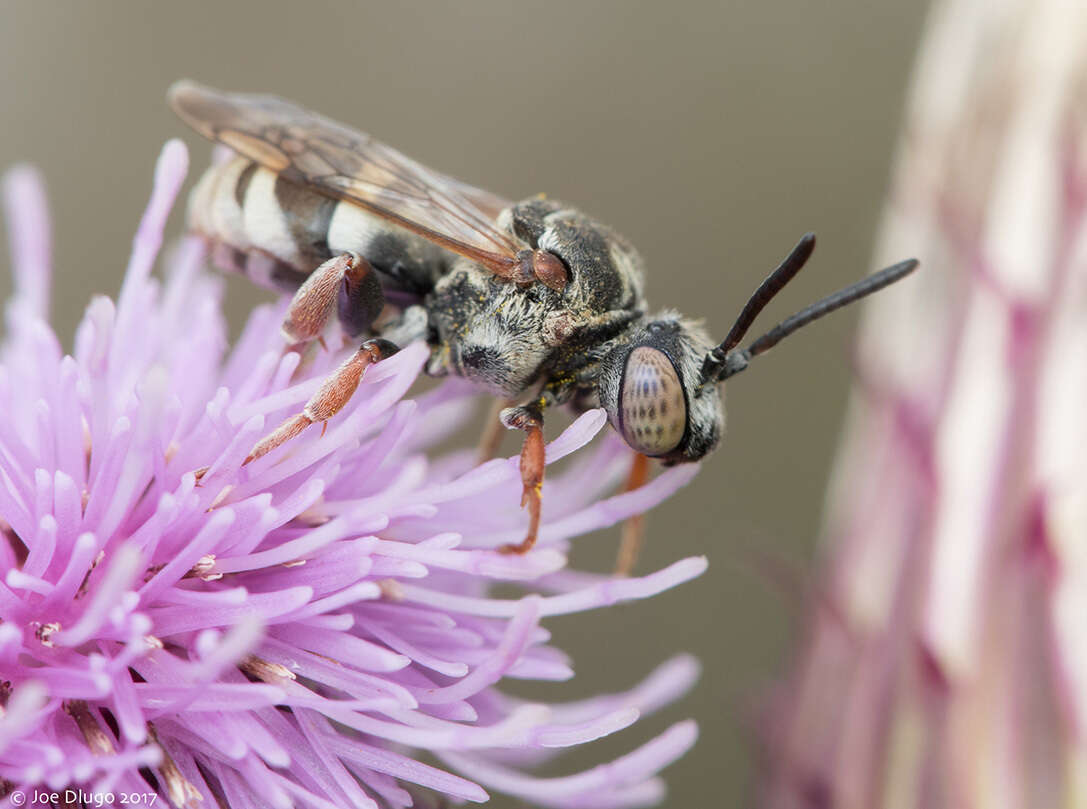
[[297, 631]]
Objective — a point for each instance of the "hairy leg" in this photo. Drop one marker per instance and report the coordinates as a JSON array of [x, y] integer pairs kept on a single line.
[[346, 287], [329, 399], [532, 470]]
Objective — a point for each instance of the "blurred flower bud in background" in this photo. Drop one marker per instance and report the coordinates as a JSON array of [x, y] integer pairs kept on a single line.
[[944, 660]]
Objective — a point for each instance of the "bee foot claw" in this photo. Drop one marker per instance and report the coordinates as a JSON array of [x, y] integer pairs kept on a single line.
[[518, 548]]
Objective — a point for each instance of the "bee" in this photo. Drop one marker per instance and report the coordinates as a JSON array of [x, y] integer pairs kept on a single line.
[[534, 301]]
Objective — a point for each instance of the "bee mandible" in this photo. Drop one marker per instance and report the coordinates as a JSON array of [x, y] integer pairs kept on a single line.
[[535, 301]]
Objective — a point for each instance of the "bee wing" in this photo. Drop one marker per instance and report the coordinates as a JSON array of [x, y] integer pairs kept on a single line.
[[340, 162]]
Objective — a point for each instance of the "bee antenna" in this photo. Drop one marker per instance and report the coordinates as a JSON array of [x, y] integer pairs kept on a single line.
[[773, 284], [736, 360]]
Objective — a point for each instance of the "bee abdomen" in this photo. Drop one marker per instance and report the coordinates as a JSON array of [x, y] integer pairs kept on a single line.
[[277, 232], [272, 231]]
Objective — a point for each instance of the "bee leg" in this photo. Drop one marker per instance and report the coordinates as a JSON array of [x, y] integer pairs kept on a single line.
[[410, 325], [532, 470], [346, 285], [492, 432], [633, 531], [329, 399]]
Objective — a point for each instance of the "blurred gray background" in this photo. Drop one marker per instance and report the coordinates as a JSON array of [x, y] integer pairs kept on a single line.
[[711, 134]]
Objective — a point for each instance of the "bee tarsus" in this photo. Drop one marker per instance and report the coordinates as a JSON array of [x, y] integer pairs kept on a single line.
[[530, 420], [345, 285], [335, 392]]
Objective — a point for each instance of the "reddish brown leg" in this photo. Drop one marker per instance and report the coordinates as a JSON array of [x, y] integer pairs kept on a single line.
[[532, 472], [492, 432], [633, 531], [315, 302], [329, 399]]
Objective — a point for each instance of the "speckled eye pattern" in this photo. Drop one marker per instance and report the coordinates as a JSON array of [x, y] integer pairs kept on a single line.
[[654, 414]]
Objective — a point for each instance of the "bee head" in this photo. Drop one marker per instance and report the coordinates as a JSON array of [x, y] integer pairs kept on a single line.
[[660, 388], [651, 389]]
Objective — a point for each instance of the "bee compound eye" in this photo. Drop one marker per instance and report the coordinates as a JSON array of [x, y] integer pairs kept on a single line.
[[653, 413]]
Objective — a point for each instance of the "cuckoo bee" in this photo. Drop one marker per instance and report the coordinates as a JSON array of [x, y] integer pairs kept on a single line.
[[535, 301]]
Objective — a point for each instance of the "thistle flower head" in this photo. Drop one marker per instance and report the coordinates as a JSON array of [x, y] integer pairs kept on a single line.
[[297, 631]]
